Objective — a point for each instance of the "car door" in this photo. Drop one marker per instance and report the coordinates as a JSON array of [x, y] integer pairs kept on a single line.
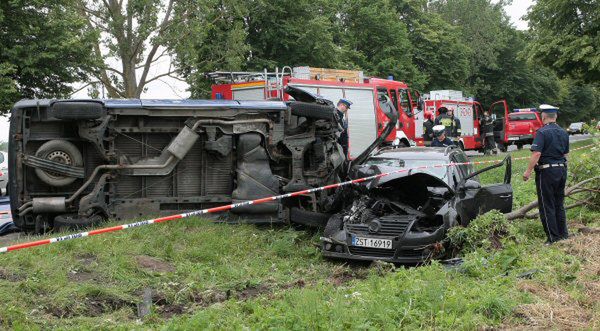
[[474, 199], [499, 110]]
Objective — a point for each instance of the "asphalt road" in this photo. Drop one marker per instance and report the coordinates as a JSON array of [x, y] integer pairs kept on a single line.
[[572, 139]]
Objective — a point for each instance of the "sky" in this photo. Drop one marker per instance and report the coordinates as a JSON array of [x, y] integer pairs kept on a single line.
[[170, 88]]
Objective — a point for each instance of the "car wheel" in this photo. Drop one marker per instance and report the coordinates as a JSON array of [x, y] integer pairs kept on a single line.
[[312, 110], [308, 218], [60, 151], [333, 225], [78, 110], [75, 222]]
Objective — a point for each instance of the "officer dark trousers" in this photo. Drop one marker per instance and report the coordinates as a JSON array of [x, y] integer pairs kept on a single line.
[[550, 185]]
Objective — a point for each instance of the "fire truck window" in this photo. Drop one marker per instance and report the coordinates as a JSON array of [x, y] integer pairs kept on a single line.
[[394, 98], [405, 102], [381, 91]]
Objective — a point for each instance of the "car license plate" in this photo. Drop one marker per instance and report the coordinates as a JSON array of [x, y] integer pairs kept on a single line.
[[513, 138], [372, 242]]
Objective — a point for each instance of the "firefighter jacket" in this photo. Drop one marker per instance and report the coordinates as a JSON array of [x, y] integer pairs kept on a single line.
[[451, 123]]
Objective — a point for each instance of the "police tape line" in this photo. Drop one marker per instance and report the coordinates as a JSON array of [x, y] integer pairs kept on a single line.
[[240, 204]]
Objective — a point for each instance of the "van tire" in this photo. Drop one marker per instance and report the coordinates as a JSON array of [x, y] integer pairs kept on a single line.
[[77, 110], [312, 110], [308, 218], [60, 149]]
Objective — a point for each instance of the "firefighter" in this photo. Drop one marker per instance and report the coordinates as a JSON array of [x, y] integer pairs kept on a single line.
[[448, 120], [440, 140], [487, 132], [342, 108], [428, 127], [549, 159]]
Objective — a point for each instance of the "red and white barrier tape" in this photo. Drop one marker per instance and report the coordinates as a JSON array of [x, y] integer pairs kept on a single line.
[[236, 205]]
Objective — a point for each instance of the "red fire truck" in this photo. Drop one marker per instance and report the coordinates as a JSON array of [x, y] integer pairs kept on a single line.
[[465, 109], [365, 118]]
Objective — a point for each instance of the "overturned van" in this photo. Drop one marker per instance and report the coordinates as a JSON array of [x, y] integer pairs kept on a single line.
[[78, 162]]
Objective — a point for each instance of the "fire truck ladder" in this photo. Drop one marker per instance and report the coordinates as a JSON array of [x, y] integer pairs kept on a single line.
[[273, 80]]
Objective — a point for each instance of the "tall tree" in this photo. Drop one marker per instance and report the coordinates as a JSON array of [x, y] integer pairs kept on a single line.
[[132, 37], [440, 53], [566, 37], [44, 48], [293, 33], [377, 41], [211, 36]]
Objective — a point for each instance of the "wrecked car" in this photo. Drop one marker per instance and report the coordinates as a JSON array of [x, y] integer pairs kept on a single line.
[[76, 163], [404, 217]]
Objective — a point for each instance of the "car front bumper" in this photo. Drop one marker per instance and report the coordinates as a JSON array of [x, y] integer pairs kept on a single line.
[[411, 248]]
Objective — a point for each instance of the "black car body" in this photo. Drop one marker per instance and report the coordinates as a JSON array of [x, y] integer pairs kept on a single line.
[[79, 162], [404, 217]]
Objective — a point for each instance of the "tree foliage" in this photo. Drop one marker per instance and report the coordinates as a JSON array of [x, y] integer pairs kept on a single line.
[[566, 37], [44, 47]]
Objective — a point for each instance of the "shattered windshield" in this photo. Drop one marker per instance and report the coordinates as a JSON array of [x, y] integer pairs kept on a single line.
[[440, 172]]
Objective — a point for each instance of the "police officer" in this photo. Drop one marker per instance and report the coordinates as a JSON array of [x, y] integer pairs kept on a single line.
[[342, 108], [487, 132], [549, 159], [448, 120], [440, 140], [428, 127]]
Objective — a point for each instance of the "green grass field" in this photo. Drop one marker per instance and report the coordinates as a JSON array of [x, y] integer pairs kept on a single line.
[[194, 274]]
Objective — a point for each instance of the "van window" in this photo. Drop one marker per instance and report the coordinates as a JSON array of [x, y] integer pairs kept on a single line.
[[405, 101]]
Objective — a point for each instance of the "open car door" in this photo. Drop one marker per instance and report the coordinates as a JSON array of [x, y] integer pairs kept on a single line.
[[475, 199]]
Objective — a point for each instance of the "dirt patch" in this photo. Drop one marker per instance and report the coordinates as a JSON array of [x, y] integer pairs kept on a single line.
[[11, 238], [10, 275], [82, 276], [555, 308], [154, 264], [87, 259], [99, 306]]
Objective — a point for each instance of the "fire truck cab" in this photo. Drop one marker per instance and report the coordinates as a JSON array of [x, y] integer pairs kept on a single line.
[[366, 120]]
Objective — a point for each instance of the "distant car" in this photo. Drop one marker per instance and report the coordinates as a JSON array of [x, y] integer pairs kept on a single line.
[[3, 172], [404, 217], [576, 128]]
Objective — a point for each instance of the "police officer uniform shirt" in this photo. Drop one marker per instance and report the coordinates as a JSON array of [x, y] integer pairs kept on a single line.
[[444, 143], [553, 142]]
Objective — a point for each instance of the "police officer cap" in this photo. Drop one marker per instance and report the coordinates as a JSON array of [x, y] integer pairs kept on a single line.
[[548, 109], [438, 130], [443, 110], [347, 102]]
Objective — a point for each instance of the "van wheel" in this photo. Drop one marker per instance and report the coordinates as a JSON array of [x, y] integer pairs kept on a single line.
[[60, 151], [312, 110], [77, 110], [308, 218]]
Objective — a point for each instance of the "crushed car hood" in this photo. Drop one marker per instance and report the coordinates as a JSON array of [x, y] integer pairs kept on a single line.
[[401, 178]]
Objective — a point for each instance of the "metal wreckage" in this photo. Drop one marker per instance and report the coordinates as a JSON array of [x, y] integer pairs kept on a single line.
[[77, 163]]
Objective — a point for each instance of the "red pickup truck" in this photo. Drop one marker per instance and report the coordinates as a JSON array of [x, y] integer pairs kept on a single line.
[[516, 128]]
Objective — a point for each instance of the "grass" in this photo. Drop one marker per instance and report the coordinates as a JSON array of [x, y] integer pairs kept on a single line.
[[202, 275]]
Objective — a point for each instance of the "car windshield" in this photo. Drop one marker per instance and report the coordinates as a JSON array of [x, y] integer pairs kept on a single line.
[[576, 125], [440, 172], [522, 117]]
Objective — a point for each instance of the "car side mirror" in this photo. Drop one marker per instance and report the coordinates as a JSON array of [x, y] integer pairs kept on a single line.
[[470, 184]]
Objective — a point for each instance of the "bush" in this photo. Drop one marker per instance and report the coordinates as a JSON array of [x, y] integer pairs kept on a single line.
[[486, 232]]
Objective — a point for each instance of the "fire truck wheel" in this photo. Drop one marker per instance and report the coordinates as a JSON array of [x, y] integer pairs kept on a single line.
[[312, 110]]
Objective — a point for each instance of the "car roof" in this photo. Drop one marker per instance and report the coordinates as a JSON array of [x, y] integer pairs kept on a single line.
[[417, 153]]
